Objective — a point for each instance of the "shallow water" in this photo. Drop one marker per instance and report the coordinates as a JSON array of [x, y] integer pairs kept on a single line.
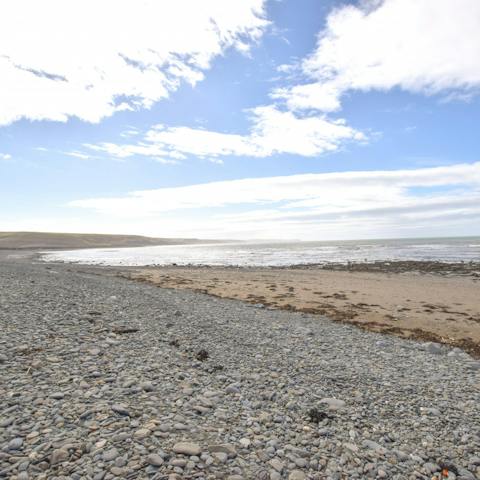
[[281, 253]]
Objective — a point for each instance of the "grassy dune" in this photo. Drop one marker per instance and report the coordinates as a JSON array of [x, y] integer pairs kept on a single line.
[[41, 240]]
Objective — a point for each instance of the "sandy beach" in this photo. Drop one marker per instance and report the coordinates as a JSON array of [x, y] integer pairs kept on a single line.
[[107, 378], [420, 300]]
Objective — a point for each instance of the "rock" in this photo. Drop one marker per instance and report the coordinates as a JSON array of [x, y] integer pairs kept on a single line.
[[232, 389], [142, 433], [464, 474], [147, 386], [120, 409], [187, 448], [474, 366], [296, 475], [15, 444], [245, 442], [58, 456], [370, 444], [333, 403], [276, 464], [155, 460], [6, 422], [434, 348], [223, 448], [221, 456], [3, 358], [57, 395], [430, 411], [110, 455], [117, 471]]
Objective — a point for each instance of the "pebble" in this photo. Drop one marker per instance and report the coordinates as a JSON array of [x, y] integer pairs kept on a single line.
[[110, 455], [296, 475], [155, 460], [187, 448], [15, 444], [59, 456]]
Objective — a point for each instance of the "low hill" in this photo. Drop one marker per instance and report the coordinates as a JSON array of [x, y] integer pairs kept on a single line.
[[52, 241]]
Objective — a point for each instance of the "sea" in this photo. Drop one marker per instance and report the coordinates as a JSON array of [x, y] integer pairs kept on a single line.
[[280, 253]]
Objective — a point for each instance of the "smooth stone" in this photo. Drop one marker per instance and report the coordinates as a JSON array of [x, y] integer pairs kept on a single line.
[[15, 444], [155, 460], [187, 448], [58, 456], [142, 433], [117, 471], [370, 444], [6, 422], [296, 475], [221, 456], [147, 386], [276, 464], [333, 403], [223, 448], [110, 455], [245, 442], [120, 409], [57, 395], [232, 389], [434, 348]]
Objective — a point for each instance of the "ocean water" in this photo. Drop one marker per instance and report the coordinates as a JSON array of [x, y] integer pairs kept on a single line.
[[280, 253]]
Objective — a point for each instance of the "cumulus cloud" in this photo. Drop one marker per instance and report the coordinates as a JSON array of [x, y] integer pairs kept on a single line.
[[273, 131], [420, 46], [307, 204], [5, 156], [89, 59]]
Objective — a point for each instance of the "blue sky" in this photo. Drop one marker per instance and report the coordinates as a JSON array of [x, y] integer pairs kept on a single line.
[[286, 119]]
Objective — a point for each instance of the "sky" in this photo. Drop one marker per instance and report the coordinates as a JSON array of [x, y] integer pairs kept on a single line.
[[248, 119]]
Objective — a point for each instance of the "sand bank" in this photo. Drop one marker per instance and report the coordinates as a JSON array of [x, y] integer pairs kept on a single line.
[[428, 303]]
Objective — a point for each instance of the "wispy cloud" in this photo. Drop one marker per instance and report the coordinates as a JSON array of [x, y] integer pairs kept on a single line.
[[82, 156], [5, 156], [272, 132], [305, 205], [113, 55]]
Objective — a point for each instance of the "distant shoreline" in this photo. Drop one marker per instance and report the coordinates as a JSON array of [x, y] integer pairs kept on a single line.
[[74, 241]]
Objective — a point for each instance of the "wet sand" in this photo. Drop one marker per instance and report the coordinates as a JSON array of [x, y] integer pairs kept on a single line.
[[420, 300]]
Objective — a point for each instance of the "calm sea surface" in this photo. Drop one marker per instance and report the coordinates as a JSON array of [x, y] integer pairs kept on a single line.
[[281, 253]]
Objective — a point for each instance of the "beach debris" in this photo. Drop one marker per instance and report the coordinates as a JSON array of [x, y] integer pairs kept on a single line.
[[316, 416], [202, 355], [123, 330]]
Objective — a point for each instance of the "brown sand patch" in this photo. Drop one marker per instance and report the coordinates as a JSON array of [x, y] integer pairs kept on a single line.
[[431, 306]]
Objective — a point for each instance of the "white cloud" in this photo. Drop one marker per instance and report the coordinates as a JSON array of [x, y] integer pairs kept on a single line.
[[74, 153], [273, 132], [5, 156], [307, 205], [421, 46], [89, 59]]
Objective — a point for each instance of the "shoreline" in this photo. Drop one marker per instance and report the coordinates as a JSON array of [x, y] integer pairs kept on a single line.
[[442, 322], [426, 301]]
